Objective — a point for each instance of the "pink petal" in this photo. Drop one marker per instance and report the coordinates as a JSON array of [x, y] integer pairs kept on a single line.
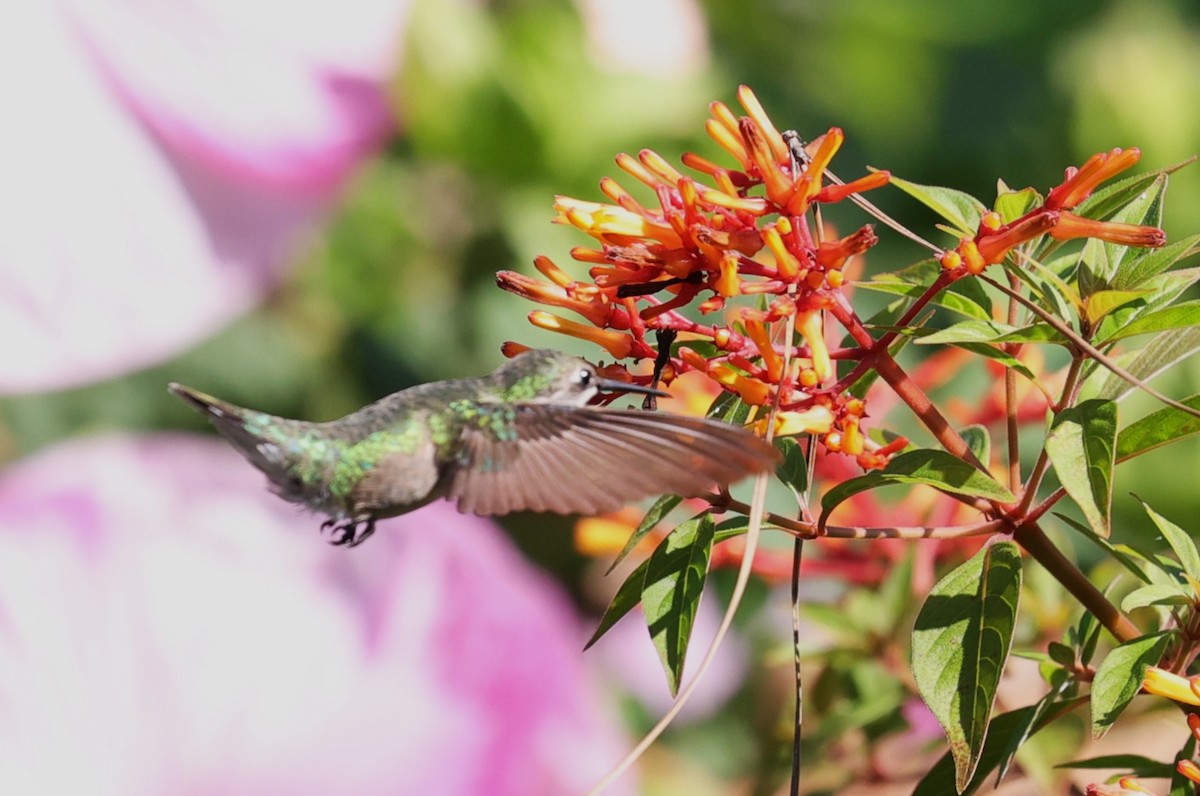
[[166, 626]]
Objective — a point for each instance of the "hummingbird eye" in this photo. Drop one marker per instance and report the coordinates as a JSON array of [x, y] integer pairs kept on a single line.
[[584, 377]]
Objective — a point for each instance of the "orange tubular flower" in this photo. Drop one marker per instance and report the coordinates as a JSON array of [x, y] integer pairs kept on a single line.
[[1080, 183], [1163, 683], [1072, 226], [817, 420], [615, 343], [811, 326], [553, 295]]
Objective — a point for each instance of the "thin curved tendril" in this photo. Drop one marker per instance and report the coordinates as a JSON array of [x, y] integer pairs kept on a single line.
[[753, 532]]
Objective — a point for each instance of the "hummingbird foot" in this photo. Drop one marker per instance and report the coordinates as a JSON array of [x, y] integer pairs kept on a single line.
[[348, 534]]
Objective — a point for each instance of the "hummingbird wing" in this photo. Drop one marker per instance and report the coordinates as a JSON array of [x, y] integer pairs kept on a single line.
[[570, 460]]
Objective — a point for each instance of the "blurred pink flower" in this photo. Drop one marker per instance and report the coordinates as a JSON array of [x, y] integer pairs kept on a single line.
[[161, 162], [168, 627]]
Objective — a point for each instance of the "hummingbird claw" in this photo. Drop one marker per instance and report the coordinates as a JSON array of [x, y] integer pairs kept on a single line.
[[347, 534]]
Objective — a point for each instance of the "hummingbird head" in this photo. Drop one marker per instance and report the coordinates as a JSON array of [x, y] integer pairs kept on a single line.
[[553, 377]]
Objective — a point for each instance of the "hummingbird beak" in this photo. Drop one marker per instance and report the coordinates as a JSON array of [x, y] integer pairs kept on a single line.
[[611, 385]]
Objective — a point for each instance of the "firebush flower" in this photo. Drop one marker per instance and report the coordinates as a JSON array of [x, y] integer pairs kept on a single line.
[[993, 240], [728, 234]]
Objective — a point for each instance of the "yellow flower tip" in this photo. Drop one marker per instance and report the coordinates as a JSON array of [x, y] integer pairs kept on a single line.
[[754, 205], [834, 279], [1167, 684], [972, 259], [617, 344], [852, 438], [816, 420], [808, 378], [856, 407], [701, 164], [757, 331], [548, 269], [711, 305], [1071, 226], [990, 222], [755, 111], [731, 142], [951, 260], [728, 282], [659, 167], [606, 535], [811, 326], [583, 254], [752, 390], [833, 442], [639, 172], [510, 348], [1125, 783], [831, 142], [785, 262], [1189, 770]]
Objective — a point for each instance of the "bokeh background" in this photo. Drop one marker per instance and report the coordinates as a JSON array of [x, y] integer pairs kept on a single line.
[[300, 208]]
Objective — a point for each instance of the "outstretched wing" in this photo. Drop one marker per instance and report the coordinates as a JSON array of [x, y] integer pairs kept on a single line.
[[589, 461]]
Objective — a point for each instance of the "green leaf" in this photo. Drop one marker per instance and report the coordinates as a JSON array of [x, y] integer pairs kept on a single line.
[[1153, 262], [1020, 734], [628, 596], [654, 515], [960, 644], [979, 441], [674, 583], [1081, 446], [1156, 594], [1137, 765], [940, 779], [1156, 429], [1119, 678], [1011, 205], [1180, 541], [1176, 316], [1181, 785], [960, 209], [793, 470], [1161, 353], [923, 466], [1102, 302], [992, 332]]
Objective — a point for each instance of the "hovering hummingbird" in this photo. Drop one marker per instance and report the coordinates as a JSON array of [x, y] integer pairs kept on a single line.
[[520, 438]]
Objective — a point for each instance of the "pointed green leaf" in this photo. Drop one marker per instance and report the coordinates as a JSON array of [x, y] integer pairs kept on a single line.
[[1156, 429], [1119, 678], [674, 583], [628, 596], [1011, 205], [992, 332], [793, 470], [1180, 541], [1137, 765], [960, 645], [1005, 728], [654, 515], [1176, 316], [1161, 353], [1102, 302], [960, 209], [1153, 262], [1081, 446], [1020, 734], [979, 441], [1156, 594], [923, 466]]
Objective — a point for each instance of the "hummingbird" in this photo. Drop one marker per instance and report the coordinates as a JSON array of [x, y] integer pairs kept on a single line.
[[521, 438]]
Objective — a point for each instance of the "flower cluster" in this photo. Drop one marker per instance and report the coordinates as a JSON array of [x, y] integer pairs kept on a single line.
[[729, 233], [994, 240]]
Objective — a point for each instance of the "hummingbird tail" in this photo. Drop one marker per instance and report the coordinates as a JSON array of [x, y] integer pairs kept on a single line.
[[244, 429]]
